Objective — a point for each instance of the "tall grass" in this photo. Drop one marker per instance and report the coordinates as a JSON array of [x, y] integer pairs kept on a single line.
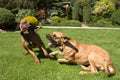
[[15, 66]]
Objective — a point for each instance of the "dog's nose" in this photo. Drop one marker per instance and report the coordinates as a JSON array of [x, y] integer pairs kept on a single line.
[[29, 27], [47, 35]]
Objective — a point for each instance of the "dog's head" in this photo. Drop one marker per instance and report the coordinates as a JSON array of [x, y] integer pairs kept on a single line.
[[25, 26], [56, 39]]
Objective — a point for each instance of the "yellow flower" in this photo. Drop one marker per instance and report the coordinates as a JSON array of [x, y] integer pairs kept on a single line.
[[32, 20]]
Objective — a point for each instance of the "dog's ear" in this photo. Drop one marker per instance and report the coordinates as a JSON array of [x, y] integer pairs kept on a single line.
[[66, 39], [32, 26]]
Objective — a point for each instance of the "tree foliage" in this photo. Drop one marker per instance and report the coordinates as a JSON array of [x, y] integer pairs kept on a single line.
[[23, 13], [117, 3], [116, 17], [15, 5], [82, 10], [86, 11]]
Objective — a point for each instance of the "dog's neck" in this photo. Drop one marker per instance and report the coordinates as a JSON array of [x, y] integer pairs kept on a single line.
[[68, 44]]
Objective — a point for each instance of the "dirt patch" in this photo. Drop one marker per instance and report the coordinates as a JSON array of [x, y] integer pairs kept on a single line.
[[2, 31]]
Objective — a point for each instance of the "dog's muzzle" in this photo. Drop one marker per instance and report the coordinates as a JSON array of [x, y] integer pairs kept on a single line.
[[26, 29], [52, 42]]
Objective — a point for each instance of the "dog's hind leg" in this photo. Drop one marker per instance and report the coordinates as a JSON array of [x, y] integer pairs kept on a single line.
[[84, 67], [109, 69], [93, 67]]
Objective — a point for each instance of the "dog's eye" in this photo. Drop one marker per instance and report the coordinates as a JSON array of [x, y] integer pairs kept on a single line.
[[29, 27], [54, 35]]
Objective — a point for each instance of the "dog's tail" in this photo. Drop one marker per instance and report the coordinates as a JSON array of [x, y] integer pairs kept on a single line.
[[109, 69]]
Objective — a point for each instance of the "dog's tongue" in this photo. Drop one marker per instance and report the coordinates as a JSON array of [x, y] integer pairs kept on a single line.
[[51, 45], [26, 32]]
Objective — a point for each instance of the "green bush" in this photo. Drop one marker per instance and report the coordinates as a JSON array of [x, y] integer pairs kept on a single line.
[[7, 19], [23, 13], [116, 17], [101, 23], [82, 10], [67, 23], [86, 11], [55, 19], [77, 10]]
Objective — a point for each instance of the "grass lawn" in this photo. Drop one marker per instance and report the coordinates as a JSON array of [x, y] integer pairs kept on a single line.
[[15, 66]]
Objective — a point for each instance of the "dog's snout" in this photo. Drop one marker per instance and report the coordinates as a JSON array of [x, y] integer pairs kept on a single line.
[[47, 35]]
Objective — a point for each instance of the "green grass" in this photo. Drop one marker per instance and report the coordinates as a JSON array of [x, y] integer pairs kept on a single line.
[[15, 66]]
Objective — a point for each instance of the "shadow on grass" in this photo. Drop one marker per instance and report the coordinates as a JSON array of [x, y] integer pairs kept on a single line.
[[41, 54], [70, 64]]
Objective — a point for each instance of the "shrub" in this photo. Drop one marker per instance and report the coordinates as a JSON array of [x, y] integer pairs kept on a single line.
[[116, 17], [77, 10], [55, 19], [67, 23], [82, 10], [23, 13], [86, 11], [71, 23], [104, 7], [32, 20], [7, 19], [103, 22]]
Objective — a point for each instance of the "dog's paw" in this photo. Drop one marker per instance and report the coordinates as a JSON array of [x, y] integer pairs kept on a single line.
[[61, 61], [52, 54], [82, 72], [52, 57], [37, 61], [25, 54]]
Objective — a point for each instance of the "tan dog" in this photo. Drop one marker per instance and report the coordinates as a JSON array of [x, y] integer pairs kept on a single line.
[[92, 56], [31, 39]]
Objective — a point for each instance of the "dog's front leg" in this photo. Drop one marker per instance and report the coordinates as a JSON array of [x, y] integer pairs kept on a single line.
[[34, 56], [63, 61], [56, 52], [45, 51], [93, 69]]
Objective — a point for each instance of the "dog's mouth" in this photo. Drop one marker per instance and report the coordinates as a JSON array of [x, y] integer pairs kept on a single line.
[[52, 43], [26, 29]]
